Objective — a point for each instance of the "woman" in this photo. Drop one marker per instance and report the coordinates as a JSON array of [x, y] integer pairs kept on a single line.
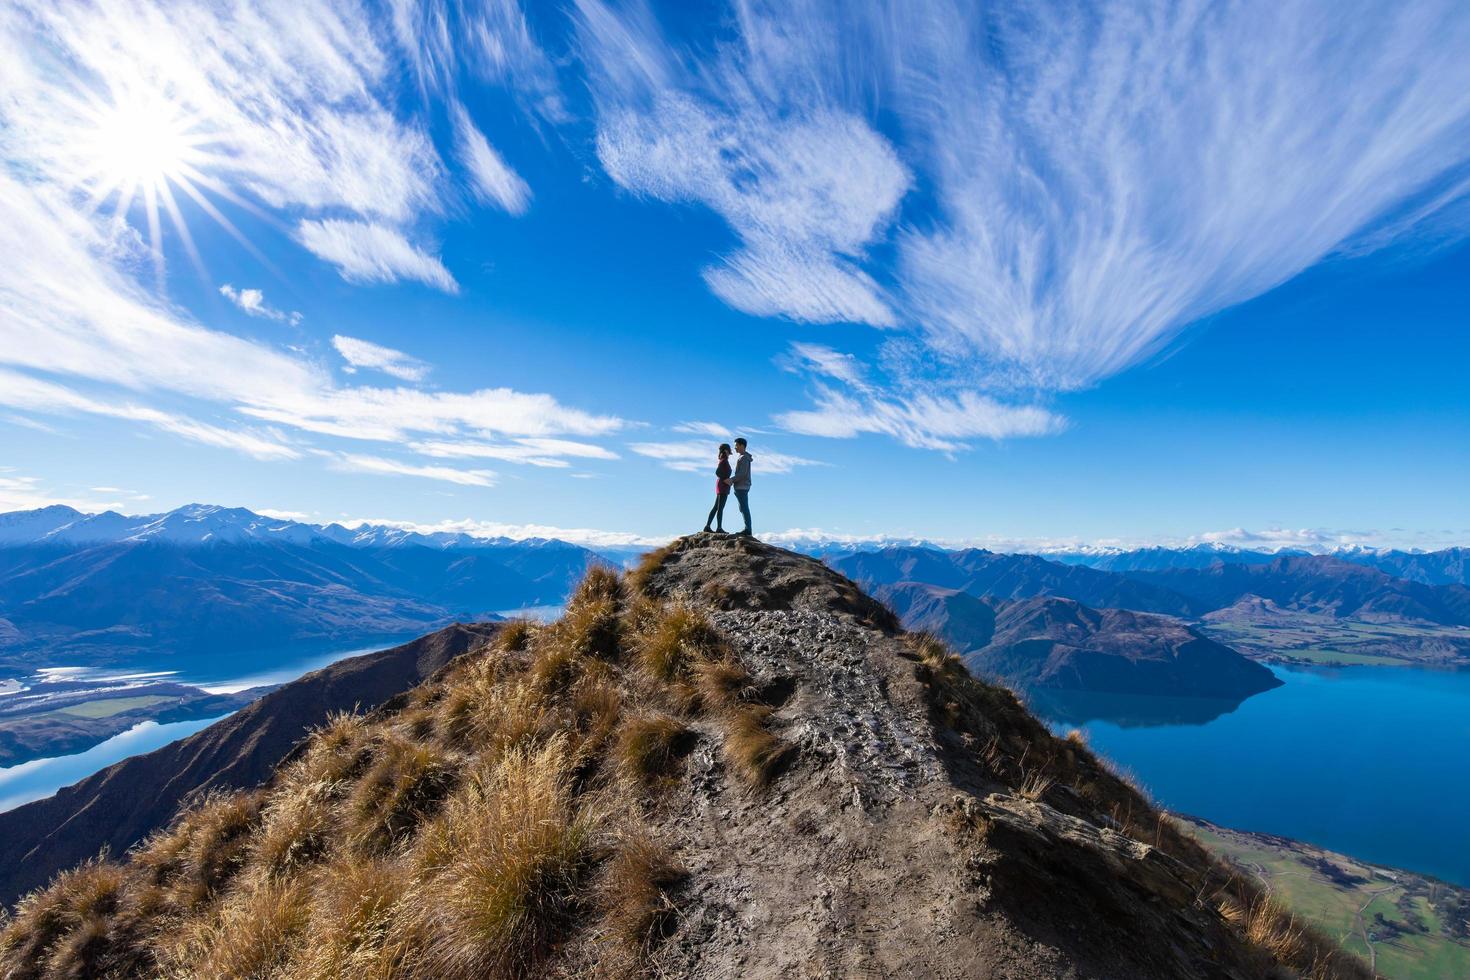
[[722, 490]]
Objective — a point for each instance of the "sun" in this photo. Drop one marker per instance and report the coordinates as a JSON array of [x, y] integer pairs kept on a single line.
[[143, 139], [138, 145]]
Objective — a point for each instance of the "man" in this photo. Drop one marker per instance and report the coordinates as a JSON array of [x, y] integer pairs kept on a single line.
[[740, 483]]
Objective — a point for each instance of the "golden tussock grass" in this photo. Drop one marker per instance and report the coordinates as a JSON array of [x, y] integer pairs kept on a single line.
[[675, 641], [723, 685], [515, 636], [636, 894], [252, 934], [648, 746], [753, 752], [591, 628], [503, 867], [71, 912], [405, 784], [360, 926], [648, 566], [295, 831]]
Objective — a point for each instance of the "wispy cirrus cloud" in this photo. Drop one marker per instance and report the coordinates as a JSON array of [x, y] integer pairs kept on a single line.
[[697, 456], [385, 466], [1091, 182], [35, 395], [849, 404], [550, 453], [69, 309], [806, 184], [296, 106], [368, 252], [366, 354], [492, 179]]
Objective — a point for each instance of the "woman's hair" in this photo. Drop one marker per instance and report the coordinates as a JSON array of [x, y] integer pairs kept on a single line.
[[724, 447]]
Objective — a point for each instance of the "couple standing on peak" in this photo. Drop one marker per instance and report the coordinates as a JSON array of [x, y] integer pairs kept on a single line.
[[727, 480]]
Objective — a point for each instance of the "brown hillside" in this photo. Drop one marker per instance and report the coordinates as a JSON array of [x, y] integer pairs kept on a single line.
[[689, 775]]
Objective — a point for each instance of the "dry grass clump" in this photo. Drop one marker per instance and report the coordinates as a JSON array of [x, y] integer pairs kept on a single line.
[[296, 831], [600, 583], [649, 746], [1266, 924], [503, 867], [471, 691], [252, 934], [406, 783], [515, 636], [204, 849], [755, 754], [675, 642], [68, 918], [642, 574], [722, 685], [359, 925], [636, 894]]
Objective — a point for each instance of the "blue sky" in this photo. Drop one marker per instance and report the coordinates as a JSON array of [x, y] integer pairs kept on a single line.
[[1013, 274]]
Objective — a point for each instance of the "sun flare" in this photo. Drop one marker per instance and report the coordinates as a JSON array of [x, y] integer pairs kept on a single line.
[[140, 145], [142, 140]]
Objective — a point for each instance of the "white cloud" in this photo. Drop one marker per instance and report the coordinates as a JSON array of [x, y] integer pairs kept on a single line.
[[364, 252], [587, 537], [919, 415], [252, 301], [1105, 181], [366, 354], [27, 493], [807, 186], [283, 515], [490, 39], [494, 180], [389, 414], [532, 452], [697, 456], [32, 394], [379, 465]]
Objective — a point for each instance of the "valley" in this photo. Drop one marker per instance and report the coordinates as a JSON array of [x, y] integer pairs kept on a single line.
[[1406, 926], [1264, 631]]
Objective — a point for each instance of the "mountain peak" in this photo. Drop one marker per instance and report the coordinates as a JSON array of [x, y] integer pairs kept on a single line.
[[730, 572]]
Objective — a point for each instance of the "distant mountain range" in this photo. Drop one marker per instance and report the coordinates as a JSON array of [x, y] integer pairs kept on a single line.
[[1307, 583], [1450, 566], [112, 589], [984, 573]]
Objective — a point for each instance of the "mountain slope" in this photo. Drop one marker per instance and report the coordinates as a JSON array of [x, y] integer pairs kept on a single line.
[[733, 765], [125, 802], [985, 574], [1058, 644], [1047, 643]]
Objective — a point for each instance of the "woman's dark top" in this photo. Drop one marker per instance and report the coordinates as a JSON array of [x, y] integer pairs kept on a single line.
[[722, 475]]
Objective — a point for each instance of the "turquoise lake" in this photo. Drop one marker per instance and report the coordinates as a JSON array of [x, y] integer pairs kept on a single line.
[[1370, 761]]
